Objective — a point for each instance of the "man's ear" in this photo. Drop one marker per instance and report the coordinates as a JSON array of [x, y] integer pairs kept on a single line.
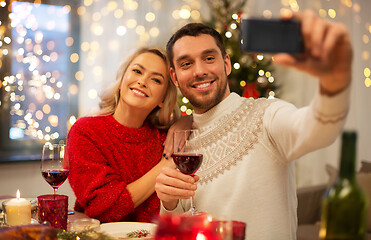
[[173, 77], [228, 65]]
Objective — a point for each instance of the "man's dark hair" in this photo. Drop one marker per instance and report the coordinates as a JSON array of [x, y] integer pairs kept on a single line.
[[194, 30]]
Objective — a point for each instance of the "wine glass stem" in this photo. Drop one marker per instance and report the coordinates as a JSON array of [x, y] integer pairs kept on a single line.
[[193, 208]]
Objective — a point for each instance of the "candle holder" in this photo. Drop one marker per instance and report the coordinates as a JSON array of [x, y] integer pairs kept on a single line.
[[53, 209], [239, 229], [202, 226], [192, 227], [17, 211], [34, 216], [85, 224], [2, 218]]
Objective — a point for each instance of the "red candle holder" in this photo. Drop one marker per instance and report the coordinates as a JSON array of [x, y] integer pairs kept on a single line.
[[179, 226], [53, 209], [239, 229], [203, 226]]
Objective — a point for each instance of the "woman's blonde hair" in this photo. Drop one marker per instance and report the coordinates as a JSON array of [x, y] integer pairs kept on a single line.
[[159, 117]]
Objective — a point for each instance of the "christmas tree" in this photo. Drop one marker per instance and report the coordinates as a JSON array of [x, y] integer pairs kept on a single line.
[[251, 74]]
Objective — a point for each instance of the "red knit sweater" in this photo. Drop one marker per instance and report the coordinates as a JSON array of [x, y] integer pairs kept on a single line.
[[104, 157]]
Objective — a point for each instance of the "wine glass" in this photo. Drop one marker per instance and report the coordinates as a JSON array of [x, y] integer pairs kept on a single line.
[[54, 165], [184, 156]]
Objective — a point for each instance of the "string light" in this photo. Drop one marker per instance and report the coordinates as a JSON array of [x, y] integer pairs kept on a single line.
[[31, 117], [147, 31], [332, 13]]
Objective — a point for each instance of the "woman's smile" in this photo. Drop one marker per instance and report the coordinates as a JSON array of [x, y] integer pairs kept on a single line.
[[138, 92]]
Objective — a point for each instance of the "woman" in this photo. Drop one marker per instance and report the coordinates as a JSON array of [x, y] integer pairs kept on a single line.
[[116, 156]]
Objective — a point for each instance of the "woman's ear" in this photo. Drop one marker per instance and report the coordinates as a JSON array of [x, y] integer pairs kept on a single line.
[[161, 105], [173, 77]]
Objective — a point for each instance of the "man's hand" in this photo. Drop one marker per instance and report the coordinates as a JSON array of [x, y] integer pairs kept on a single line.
[[172, 185], [328, 53]]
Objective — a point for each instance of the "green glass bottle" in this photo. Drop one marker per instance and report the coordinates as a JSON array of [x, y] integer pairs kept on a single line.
[[344, 207]]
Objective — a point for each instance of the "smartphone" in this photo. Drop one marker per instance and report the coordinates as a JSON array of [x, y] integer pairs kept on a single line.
[[271, 36]]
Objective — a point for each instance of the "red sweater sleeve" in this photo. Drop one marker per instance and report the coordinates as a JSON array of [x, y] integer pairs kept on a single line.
[[97, 179]]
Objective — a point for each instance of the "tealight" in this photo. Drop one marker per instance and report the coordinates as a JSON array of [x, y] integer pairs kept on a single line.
[[18, 211]]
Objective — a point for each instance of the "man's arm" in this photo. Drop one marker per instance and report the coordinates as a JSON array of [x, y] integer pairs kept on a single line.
[[328, 56], [328, 53]]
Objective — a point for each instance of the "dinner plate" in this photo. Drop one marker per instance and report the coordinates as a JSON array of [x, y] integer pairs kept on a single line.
[[119, 230]]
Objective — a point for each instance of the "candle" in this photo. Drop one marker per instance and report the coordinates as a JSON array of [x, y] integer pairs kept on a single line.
[[18, 211]]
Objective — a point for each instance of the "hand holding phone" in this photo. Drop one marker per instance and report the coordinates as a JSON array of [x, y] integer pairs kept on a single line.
[[271, 36]]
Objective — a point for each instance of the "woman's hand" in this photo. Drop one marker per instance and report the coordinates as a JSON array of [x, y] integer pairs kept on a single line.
[[184, 122]]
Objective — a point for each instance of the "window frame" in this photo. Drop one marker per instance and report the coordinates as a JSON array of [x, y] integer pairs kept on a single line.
[[28, 149]]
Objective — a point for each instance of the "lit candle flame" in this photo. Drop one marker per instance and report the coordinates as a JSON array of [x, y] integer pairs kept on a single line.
[[18, 194]]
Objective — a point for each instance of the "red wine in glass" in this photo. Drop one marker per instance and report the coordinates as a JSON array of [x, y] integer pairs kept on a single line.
[[54, 165], [55, 177], [187, 163], [185, 156]]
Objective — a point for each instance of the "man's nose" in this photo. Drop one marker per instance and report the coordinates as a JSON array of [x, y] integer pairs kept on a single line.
[[200, 70]]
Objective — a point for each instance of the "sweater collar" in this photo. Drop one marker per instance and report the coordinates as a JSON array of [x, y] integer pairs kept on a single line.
[[226, 106], [143, 133]]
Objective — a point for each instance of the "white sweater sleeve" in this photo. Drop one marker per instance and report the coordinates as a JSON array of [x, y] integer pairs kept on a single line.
[[296, 132], [179, 208]]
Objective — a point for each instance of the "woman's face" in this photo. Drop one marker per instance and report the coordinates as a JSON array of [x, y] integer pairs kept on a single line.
[[145, 82]]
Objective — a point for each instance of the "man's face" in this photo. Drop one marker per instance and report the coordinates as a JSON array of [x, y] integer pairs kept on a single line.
[[200, 71]]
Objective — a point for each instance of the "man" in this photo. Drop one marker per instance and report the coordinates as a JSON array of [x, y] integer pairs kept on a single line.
[[249, 146]]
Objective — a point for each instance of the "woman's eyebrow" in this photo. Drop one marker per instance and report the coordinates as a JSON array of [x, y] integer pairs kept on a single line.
[[154, 73]]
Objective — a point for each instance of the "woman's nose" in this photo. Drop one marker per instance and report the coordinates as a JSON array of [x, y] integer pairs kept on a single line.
[[142, 81]]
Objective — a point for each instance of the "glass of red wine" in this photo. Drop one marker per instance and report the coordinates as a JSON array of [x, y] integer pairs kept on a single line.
[[184, 156], [54, 165]]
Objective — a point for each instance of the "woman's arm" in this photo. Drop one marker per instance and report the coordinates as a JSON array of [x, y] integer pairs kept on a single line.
[[141, 189], [101, 190]]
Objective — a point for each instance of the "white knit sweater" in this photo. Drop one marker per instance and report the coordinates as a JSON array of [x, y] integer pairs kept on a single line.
[[249, 146]]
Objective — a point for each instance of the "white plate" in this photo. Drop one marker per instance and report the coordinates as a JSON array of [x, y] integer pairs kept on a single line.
[[119, 230]]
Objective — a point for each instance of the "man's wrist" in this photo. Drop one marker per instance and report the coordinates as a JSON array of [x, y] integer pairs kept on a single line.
[[331, 93]]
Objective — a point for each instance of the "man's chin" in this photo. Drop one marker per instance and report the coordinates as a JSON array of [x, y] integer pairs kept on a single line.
[[203, 105]]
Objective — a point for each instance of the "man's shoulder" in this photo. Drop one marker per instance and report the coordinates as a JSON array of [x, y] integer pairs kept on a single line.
[[258, 104]]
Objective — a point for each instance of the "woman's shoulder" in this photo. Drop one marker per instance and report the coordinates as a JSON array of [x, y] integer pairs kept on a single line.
[[94, 119], [90, 122]]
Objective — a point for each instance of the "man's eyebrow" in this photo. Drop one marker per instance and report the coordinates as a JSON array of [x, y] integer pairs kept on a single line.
[[154, 73], [204, 52], [182, 58], [211, 50]]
